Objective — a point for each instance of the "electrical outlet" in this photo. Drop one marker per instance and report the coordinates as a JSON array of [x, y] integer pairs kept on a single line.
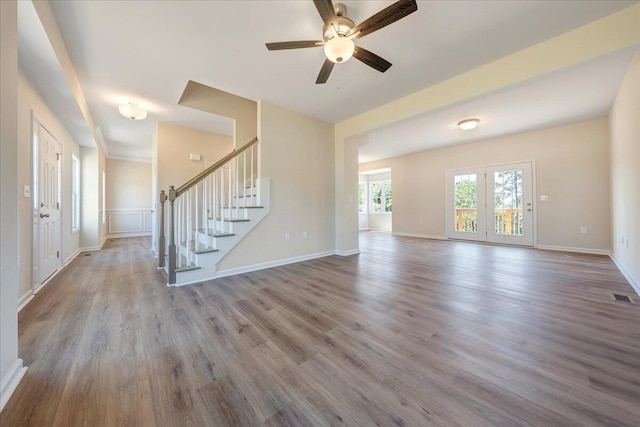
[[583, 230], [544, 198], [305, 235], [287, 237]]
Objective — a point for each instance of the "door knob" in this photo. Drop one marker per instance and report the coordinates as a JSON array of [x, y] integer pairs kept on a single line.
[[44, 215], [529, 210]]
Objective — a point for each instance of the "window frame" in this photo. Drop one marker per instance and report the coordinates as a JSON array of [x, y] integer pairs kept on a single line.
[[75, 193], [383, 197]]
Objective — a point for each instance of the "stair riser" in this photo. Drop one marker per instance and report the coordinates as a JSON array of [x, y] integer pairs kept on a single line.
[[208, 261]]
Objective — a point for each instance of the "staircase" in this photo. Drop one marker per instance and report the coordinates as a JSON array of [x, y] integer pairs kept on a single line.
[[210, 214]]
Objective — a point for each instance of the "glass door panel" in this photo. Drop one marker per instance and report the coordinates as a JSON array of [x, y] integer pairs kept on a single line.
[[492, 204], [509, 193], [465, 217]]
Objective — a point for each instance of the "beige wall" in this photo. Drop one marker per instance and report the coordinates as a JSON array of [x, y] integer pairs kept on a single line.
[[571, 168], [175, 143], [30, 101], [297, 154], [625, 173], [243, 111], [128, 184], [171, 164], [9, 272], [609, 34]]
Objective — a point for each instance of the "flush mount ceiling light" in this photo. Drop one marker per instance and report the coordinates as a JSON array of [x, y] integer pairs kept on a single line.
[[468, 124], [339, 49], [132, 111]]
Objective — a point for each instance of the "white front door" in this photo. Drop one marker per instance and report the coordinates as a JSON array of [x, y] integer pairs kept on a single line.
[[47, 211], [491, 204]]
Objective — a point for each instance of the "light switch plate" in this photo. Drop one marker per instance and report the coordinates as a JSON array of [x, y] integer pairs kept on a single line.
[[27, 191], [544, 198]]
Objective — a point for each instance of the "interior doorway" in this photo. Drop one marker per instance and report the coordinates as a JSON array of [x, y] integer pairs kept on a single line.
[[375, 200], [46, 196], [491, 204]]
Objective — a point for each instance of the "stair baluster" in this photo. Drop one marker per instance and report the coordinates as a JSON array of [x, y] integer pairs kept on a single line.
[[204, 209]]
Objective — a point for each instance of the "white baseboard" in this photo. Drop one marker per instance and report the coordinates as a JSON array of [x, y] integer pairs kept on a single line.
[[420, 236], [71, 258], [347, 253], [271, 264], [633, 282], [10, 382], [124, 235], [102, 242], [572, 249], [25, 299]]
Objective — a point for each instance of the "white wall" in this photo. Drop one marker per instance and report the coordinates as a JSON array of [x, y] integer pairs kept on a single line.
[[297, 154], [10, 366], [128, 198], [625, 174], [572, 169], [30, 101]]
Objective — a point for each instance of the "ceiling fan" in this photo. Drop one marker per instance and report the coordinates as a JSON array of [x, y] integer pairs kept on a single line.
[[339, 32]]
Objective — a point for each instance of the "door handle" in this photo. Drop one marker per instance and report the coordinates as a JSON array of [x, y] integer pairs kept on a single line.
[[44, 215], [529, 210]]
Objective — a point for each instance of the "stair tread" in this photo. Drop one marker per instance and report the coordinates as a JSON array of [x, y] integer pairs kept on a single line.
[[216, 233], [188, 268], [232, 219], [243, 207], [202, 250]]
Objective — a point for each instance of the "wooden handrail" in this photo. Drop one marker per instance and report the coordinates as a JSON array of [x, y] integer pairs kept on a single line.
[[217, 165]]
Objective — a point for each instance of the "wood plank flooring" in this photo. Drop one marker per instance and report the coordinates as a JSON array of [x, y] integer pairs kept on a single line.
[[411, 332]]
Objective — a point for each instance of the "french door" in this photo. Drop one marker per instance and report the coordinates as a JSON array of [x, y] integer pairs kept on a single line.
[[491, 204]]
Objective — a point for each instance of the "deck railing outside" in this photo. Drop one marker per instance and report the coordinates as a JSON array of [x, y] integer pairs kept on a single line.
[[507, 221]]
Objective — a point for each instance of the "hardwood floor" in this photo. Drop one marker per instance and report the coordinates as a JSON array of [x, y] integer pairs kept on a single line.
[[411, 332]]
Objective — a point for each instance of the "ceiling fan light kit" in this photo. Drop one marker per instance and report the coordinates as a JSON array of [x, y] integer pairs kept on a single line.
[[339, 49], [468, 124], [339, 32], [132, 111]]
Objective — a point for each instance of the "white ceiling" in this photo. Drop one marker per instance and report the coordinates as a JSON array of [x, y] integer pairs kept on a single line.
[[148, 51]]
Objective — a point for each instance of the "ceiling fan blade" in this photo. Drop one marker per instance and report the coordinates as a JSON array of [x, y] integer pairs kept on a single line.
[[327, 12], [383, 18], [371, 59], [294, 45], [325, 71]]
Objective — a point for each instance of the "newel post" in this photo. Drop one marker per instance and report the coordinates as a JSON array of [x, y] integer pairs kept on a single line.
[[161, 239], [172, 237]]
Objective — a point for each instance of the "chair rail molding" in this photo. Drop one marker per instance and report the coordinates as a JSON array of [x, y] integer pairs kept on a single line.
[[130, 222]]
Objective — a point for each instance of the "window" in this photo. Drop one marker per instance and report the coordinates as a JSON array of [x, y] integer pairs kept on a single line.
[[381, 201], [104, 197], [75, 194], [362, 197]]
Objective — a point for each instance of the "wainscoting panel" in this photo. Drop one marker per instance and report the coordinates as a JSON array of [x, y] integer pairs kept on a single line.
[[128, 222]]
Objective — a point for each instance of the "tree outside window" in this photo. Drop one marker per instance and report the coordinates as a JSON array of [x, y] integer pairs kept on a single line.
[[362, 197], [381, 201]]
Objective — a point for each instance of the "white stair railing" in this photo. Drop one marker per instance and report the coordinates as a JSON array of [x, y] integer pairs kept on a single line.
[[205, 207]]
